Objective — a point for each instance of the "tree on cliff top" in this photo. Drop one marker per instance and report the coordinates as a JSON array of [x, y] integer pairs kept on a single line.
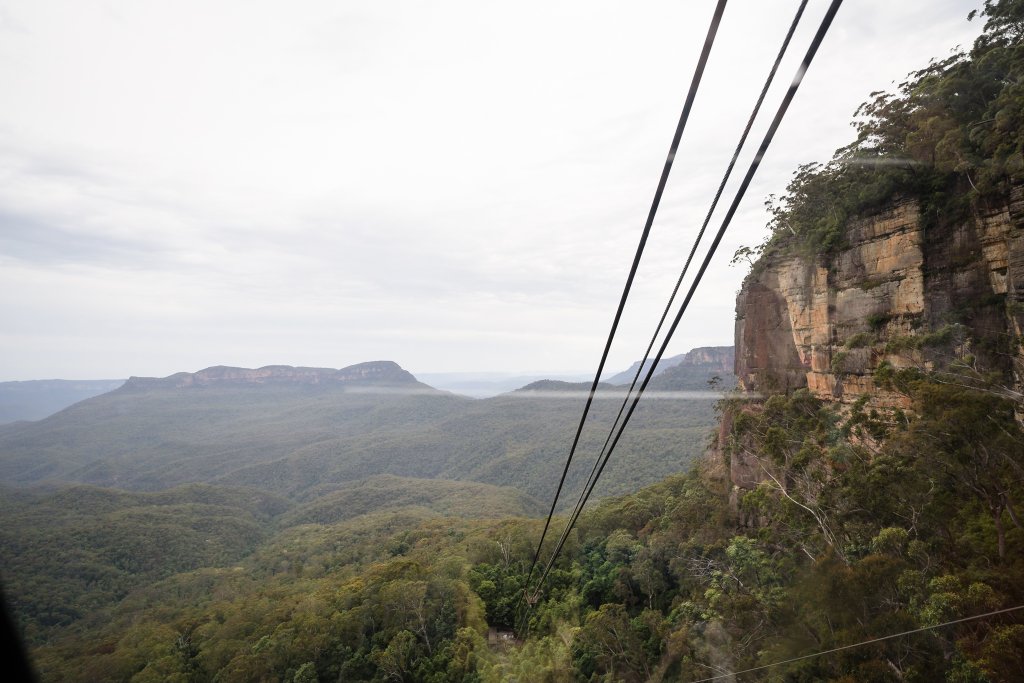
[[957, 122]]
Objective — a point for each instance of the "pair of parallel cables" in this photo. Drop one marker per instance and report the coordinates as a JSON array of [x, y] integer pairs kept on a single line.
[[624, 415]]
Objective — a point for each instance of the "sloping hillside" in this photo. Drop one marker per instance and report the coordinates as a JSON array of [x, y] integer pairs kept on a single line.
[[156, 433], [36, 399], [287, 430], [436, 496]]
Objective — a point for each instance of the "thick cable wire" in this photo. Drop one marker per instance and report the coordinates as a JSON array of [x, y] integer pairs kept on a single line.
[[683, 118], [696, 244], [863, 642], [826, 22]]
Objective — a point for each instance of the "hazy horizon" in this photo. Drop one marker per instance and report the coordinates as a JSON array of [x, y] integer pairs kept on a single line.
[[457, 187], [484, 374]]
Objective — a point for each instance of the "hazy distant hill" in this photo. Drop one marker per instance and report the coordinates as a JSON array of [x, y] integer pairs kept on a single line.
[[627, 375], [557, 385], [289, 430], [688, 371], [697, 368], [487, 384], [36, 399], [154, 433]]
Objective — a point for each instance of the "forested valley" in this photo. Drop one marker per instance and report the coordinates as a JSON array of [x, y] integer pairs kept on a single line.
[[291, 480], [675, 582]]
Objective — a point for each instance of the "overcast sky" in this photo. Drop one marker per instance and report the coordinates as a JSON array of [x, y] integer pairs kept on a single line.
[[452, 185]]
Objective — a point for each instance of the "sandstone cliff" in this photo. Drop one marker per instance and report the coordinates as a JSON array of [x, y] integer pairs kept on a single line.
[[898, 283]]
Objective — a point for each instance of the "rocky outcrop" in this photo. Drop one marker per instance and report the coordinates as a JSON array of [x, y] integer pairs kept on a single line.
[[718, 359], [899, 283], [374, 373], [698, 368], [627, 375]]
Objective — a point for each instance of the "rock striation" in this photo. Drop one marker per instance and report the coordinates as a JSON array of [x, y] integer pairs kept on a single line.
[[899, 280]]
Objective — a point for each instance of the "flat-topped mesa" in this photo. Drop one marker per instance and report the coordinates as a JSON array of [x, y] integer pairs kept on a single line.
[[374, 373], [901, 290]]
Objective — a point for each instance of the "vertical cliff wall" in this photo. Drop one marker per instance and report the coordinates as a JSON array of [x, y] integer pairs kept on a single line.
[[902, 290]]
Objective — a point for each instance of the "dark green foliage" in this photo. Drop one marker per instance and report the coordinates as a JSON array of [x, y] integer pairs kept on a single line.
[[500, 587], [877, 321], [374, 618], [860, 544], [859, 340], [439, 496], [68, 555]]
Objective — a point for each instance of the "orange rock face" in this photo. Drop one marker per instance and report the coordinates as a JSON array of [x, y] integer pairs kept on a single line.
[[826, 323]]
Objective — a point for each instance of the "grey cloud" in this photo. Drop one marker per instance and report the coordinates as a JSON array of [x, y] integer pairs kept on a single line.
[[42, 241]]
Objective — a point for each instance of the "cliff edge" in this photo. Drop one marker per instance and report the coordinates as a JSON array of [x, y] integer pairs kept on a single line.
[[898, 291]]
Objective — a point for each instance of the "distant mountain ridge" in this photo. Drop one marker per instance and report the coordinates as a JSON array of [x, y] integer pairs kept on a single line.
[[627, 375], [690, 370], [291, 430], [721, 358], [36, 399], [376, 373], [558, 385]]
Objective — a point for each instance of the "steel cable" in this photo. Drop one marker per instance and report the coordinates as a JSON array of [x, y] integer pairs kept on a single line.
[[819, 36], [683, 118]]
